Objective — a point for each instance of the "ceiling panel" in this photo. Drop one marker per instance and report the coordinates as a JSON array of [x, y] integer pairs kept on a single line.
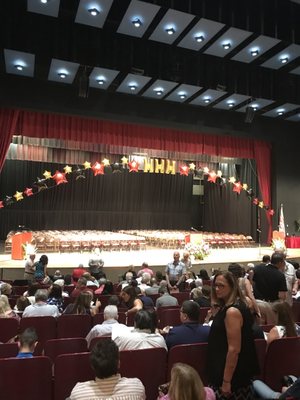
[[84, 17], [183, 92], [159, 89], [232, 38], [50, 8], [281, 110], [260, 45], [60, 68], [175, 20], [19, 63], [133, 84], [259, 104], [101, 78], [205, 29], [208, 97], [295, 71], [231, 102], [283, 58], [137, 11], [295, 118]]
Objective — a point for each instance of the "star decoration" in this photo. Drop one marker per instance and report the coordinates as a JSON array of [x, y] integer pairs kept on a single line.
[[212, 176], [59, 177], [98, 169], [28, 192], [237, 187], [67, 169], [192, 166], [47, 174], [124, 160], [206, 170], [87, 165], [255, 201], [219, 174], [184, 170], [133, 166], [232, 179], [40, 184], [261, 204], [105, 162], [18, 196], [8, 200], [271, 212], [1, 204], [245, 186]]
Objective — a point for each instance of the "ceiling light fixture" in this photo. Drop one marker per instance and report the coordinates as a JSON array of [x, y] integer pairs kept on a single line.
[[199, 38], [254, 108], [280, 112], [254, 52], [45, 1], [207, 100], [19, 67], [231, 104], [182, 95], [137, 22], [100, 81], [62, 75], [284, 60], [132, 87], [170, 31], [94, 11], [159, 91], [226, 45]]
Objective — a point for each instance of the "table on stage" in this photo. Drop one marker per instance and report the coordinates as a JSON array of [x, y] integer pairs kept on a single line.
[[292, 242]]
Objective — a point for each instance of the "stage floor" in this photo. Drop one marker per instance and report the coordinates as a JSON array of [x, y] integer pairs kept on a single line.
[[117, 261]]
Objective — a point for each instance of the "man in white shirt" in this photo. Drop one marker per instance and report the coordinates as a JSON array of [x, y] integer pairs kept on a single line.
[[110, 319], [41, 308], [108, 383]]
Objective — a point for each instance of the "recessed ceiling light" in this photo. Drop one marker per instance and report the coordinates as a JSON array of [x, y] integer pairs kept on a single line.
[[19, 67], [170, 31], [132, 87], [199, 38], [94, 11], [100, 81], [226, 45], [280, 112], [255, 107], [45, 1], [231, 104], [137, 22], [206, 100], [159, 91], [182, 95], [284, 60], [62, 75], [254, 52]]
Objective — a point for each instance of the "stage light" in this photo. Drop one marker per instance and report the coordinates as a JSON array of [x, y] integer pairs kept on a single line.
[[137, 22], [226, 45], [94, 11], [199, 38], [170, 31]]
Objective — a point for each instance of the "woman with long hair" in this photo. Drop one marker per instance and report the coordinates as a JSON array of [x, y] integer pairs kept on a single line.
[[130, 299], [41, 268], [232, 360], [82, 305], [55, 297], [286, 326]]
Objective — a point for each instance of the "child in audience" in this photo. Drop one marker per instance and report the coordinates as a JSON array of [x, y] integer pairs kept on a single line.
[[27, 342]]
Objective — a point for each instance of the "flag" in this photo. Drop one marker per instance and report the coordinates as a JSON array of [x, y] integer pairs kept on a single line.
[[281, 226]]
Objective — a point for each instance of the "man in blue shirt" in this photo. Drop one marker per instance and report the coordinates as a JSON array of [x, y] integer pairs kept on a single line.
[[175, 272], [27, 342]]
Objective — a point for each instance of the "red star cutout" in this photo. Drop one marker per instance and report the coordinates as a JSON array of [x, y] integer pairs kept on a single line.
[[59, 177], [133, 166], [98, 169], [255, 201], [1, 204], [212, 176], [271, 212], [237, 187], [28, 192], [184, 170]]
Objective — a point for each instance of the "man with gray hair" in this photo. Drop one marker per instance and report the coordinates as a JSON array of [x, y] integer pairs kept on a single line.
[[41, 308], [110, 318]]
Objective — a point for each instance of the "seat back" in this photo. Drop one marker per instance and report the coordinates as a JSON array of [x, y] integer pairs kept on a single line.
[[8, 350], [194, 355], [203, 314], [261, 347], [8, 328], [45, 328], [26, 379], [73, 325], [181, 297], [146, 361], [296, 310], [68, 370], [282, 358], [98, 339], [56, 347], [98, 318], [169, 317]]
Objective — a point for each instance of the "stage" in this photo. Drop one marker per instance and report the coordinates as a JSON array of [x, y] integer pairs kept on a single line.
[[116, 262]]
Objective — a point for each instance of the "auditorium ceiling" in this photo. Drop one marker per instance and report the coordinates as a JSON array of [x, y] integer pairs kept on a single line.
[[239, 56]]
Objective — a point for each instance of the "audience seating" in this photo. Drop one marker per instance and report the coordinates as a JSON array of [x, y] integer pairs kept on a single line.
[[194, 355], [296, 310], [26, 379], [68, 370], [45, 328], [203, 314], [181, 297], [98, 339], [169, 317], [56, 347], [149, 365], [19, 290], [8, 350], [72, 325], [8, 328], [261, 347], [267, 328], [282, 358]]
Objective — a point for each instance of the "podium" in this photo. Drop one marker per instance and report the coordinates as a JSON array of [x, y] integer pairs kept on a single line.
[[194, 238], [17, 242]]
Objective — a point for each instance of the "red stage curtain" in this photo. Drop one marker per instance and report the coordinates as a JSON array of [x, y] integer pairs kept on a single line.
[[8, 120], [42, 125]]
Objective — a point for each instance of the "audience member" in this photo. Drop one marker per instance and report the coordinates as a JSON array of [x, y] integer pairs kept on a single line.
[[113, 300], [6, 289], [90, 280], [130, 300], [186, 260], [5, 309], [31, 291], [96, 265], [40, 272], [81, 287], [146, 300], [165, 299], [55, 297], [144, 282], [108, 384], [153, 288], [190, 331], [61, 283], [104, 329], [201, 295], [21, 304], [130, 269], [290, 390], [143, 335], [145, 268], [57, 275], [29, 267], [203, 274], [128, 279], [83, 304], [175, 272], [291, 280], [27, 343], [40, 308], [78, 272]]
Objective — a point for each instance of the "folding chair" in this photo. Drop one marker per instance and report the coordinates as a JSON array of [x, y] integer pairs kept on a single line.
[[73, 325], [56, 347]]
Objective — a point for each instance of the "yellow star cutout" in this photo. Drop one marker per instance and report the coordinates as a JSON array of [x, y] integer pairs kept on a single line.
[[192, 166], [67, 169], [87, 165], [124, 160], [105, 162], [47, 174], [261, 204], [18, 196], [245, 186], [232, 179], [206, 170]]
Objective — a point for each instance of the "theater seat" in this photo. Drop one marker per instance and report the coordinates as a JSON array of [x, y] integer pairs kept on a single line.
[[8, 328], [45, 328], [56, 347], [73, 325], [8, 350]]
